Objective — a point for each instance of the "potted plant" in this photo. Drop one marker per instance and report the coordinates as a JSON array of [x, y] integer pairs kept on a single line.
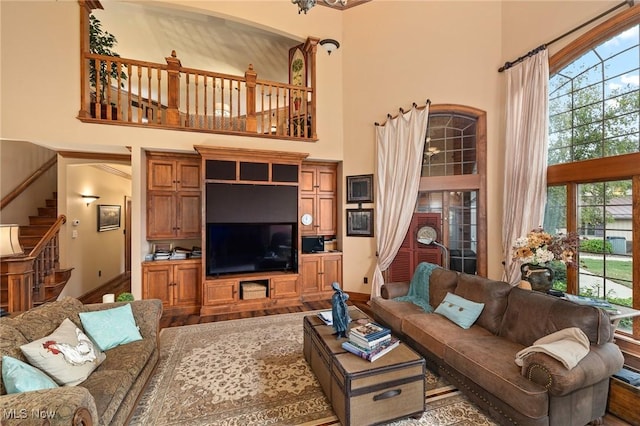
[[102, 42], [125, 297]]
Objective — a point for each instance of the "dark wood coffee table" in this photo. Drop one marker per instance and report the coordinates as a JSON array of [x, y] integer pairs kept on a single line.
[[363, 392]]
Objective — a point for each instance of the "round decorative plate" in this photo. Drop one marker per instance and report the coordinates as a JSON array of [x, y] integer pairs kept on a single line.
[[306, 219], [426, 235]]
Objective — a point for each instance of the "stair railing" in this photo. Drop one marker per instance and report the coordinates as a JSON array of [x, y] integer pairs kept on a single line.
[[46, 256], [27, 182]]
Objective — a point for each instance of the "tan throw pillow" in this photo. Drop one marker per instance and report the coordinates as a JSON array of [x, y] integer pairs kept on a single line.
[[67, 355]]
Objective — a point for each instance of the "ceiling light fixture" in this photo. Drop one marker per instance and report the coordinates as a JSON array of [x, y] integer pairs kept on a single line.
[[306, 5], [329, 44]]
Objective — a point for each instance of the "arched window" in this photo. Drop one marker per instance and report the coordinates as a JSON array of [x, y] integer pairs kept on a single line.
[[594, 158]]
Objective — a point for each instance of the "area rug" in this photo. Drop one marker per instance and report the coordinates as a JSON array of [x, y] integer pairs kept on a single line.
[[252, 372]]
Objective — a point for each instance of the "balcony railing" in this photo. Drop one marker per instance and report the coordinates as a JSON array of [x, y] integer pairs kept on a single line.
[[124, 91]]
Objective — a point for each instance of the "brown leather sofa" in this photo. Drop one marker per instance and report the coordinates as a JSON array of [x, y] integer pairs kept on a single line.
[[480, 361]]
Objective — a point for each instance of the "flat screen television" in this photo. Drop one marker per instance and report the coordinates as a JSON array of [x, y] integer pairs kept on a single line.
[[234, 248]]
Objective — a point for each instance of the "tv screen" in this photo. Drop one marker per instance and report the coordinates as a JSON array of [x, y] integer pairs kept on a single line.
[[251, 247]]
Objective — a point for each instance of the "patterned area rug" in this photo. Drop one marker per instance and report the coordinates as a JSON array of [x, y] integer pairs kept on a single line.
[[252, 372]]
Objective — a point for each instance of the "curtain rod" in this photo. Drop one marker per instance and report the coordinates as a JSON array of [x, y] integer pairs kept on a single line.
[[414, 105], [508, 65]]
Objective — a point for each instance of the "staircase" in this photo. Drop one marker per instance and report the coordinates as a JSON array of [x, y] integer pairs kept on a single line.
[[49, 280]]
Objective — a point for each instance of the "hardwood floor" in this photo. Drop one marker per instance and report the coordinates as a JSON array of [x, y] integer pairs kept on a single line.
[[169, 320]]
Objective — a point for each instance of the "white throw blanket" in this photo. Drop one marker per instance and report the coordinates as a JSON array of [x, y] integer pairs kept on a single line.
[[568, 346]]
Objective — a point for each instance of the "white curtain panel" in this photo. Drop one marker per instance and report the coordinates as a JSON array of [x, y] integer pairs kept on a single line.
[[399, 143], [526, 139]]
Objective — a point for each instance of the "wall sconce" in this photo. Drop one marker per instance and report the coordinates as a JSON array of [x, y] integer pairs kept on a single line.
[[90, 198], [329, 44], [9, 242]]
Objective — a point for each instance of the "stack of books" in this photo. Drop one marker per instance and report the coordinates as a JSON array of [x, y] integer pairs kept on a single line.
[[370, 341]]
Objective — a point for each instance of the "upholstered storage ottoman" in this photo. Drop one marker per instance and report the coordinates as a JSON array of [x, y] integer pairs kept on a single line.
[[363, 392]]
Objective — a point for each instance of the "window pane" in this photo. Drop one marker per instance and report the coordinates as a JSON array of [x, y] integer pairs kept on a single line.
[[450, 147], [604, 211]]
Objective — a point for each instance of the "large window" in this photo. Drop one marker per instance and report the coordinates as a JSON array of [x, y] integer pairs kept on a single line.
[[453, 183], [594, 153]]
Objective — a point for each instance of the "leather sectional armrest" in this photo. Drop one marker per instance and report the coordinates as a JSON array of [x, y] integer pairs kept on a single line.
[[600, 363], [391, 290]]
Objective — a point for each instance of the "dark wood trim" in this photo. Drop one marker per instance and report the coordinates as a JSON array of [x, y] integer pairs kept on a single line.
[[126, 158], [27, 182], [598, 169]]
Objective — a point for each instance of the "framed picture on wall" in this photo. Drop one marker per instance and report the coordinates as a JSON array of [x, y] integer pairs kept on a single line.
[[360, 222], [360, 189], [108, 217]]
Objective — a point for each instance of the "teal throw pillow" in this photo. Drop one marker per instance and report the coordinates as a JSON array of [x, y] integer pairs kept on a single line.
[[459, 310], [111, 327], [19, 376]]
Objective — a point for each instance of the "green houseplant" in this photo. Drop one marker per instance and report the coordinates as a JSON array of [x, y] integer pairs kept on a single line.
[[125, 297], [102, 42]]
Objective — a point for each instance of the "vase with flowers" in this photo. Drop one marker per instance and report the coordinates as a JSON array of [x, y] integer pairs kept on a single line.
[[538, 249]]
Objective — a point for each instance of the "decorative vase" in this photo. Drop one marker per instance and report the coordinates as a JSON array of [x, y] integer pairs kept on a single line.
[[540, 277]]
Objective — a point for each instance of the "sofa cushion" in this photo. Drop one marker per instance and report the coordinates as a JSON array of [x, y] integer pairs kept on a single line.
[[461, 311], [10, 341], [483, 290], [18, 376], [130, 358], [111, 327], [109, 388], [435, 332], [531, 315], [391, 312], [441, 282], [42, 320], [67, 355], [488, 361]]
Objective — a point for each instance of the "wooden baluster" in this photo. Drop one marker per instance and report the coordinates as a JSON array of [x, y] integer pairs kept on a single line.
[[250, 77], [140, 109], [98, 110], [262, 95], [109, 64], [206, 79], [129, 110], [173, 89], [196, 120], [230, 104], [278, 111], [238, 125], [158, 111], [213, 102], [222, 118], [149, 78], [119, 92]]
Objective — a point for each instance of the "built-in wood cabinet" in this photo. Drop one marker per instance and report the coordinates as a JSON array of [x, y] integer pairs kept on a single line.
[[318, 188], [175, 282], [318, 271], [225, 294], [173, 196]]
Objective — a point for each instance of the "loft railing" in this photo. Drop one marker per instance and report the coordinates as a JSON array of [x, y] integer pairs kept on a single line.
[[124, 91]]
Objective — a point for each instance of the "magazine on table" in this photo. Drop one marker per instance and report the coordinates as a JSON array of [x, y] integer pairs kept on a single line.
[[370, 331]]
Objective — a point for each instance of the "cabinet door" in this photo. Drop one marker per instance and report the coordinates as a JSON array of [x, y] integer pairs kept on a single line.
[[308, 205], [326, 180], [310, 273], [400, 269], [331, 272], [187, 278], [188, 215], [161, 175], [156, 283], [188, 176], [285, 286], [220, 292], [307, 179], [325, 221], [161, 218]]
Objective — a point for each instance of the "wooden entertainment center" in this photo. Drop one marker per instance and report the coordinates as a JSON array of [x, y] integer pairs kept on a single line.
[[239, 185]]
